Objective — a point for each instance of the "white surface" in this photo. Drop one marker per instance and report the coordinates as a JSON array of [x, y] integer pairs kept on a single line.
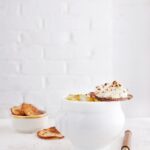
[[97, 122], [10, 140]]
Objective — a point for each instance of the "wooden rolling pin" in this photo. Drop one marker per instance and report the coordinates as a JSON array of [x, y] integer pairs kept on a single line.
[[127, 140]]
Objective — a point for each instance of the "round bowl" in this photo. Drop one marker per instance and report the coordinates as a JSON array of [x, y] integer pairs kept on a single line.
[[29, 124], [91, 125]]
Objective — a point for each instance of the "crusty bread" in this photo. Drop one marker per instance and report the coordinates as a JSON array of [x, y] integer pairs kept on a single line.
[[30, 110], [114, 99], [16, 110], [108, 99], [26, 109], [50, 133]]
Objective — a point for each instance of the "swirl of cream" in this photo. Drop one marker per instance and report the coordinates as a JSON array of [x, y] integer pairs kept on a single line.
[[111, 90]]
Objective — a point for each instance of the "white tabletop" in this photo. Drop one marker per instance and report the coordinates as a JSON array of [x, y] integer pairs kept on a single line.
[[11, 140]]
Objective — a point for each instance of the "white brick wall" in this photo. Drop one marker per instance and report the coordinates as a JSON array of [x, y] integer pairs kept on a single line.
[[9, 67], [43, 67], [131, 40], [49, 48], [21, 83]]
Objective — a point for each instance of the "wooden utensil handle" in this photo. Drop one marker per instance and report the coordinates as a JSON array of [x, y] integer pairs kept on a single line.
[[127, 140]]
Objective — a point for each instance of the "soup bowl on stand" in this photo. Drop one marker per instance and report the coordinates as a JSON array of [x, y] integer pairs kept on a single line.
[[91, 125]]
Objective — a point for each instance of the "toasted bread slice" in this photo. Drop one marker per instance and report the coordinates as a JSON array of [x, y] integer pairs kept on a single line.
[[30, 110], [50, 133], [108, 99], [16, 110], [129, 97]]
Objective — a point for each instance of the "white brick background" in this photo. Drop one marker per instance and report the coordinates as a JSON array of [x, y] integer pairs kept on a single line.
[[131, 46], [49, 48]]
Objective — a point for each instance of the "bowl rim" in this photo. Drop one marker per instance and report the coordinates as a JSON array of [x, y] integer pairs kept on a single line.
[[103, 100], [86, 105], [88, 102], [30, 117]]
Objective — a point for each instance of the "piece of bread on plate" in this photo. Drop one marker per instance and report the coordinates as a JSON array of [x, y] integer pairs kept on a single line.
[[30, 110], [16, 110], [50, 133]]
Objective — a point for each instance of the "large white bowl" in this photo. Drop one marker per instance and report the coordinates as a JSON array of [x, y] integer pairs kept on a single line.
[[91, 125], [29, 124]]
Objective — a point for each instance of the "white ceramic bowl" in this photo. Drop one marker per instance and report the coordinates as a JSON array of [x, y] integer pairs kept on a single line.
[[29, 124], [91, 125]]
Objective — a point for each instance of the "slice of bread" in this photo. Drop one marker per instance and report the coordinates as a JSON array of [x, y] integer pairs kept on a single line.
[[26, 109], [50, 133], [108, 99], [129, 97], [30, 110], [16, 110]]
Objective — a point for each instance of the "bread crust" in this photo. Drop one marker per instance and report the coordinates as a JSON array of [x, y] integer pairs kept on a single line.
[[30, 110], [50, 134], [26, 109], [16, 110], [109, 99]]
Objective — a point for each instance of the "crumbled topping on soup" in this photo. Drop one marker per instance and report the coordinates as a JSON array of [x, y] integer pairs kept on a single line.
[[112, 90], [105, 92]]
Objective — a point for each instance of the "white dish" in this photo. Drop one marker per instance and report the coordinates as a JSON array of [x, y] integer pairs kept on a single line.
[[29, 124], [91, 125]]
